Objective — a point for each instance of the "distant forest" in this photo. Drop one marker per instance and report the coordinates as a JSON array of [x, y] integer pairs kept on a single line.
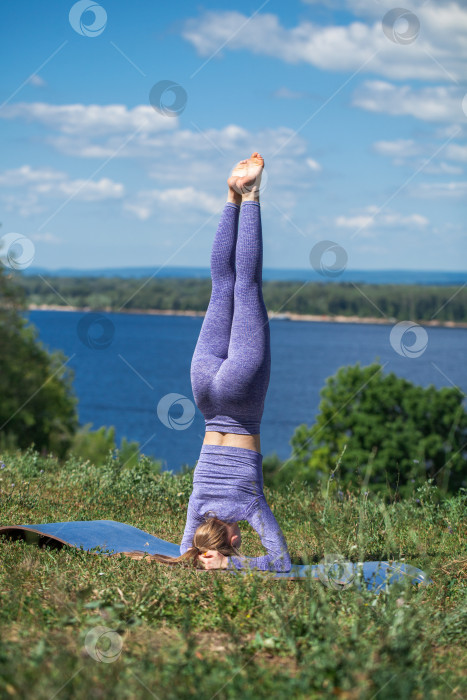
[[400, 302]]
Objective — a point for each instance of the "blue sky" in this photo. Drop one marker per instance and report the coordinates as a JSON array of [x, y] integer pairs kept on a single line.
[[359, 116]]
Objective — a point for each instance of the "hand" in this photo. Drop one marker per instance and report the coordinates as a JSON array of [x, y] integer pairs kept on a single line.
[[213, 560]]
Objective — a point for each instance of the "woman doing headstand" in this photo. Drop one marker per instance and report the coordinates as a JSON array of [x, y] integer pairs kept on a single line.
[[230, 373]]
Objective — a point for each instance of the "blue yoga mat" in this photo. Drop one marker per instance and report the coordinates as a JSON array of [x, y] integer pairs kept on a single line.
[[110, 537]]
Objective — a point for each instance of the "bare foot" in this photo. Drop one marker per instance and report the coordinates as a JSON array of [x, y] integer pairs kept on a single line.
[[240, 170], [246, 176]]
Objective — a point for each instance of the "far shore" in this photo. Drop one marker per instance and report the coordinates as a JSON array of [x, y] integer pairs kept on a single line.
[[287, 316]]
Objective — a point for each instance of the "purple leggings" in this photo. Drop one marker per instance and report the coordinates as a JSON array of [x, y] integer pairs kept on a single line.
[[231, 363]]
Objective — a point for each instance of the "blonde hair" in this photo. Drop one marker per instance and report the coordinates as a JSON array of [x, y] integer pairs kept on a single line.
[[212, 534]]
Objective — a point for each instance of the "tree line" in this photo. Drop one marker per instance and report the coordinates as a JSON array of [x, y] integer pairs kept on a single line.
[[398, 302]]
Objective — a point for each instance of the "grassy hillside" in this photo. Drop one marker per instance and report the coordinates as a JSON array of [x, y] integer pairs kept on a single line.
[[183, 633]]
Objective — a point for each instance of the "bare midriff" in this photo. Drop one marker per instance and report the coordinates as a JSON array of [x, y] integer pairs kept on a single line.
[[249, 442]]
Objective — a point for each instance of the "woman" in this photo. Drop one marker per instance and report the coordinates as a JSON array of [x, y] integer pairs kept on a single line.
[[230, 375]]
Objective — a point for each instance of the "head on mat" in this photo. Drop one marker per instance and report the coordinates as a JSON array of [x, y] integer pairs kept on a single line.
[[211, 537]]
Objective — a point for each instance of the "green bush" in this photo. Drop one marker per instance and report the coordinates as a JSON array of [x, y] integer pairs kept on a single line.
[[379, 430], [37, 404]]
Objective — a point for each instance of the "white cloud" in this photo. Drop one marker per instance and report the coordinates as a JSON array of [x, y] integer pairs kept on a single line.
[[32, 187], [285, 93], [442, 168], [361, 221], [440, 190], [26, 175], [372, 218], [145, 203], [438, 53], [36, 80], [313, 165], [431, 104], [24, 203], [419, 155], [92, 120], [457, 151], [140, 210], [46, 238], [450, 131], [399, 148], [84, 190]]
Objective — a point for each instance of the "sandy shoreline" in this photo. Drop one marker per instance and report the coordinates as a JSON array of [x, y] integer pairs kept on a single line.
[[288, 316]]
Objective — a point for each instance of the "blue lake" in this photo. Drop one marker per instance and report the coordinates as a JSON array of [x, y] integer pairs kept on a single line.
[[147, 357]]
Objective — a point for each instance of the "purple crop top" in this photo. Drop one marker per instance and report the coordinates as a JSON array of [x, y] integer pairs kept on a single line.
[[228, 483]]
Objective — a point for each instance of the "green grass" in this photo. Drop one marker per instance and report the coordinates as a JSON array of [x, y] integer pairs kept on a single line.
[[184, 633]]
